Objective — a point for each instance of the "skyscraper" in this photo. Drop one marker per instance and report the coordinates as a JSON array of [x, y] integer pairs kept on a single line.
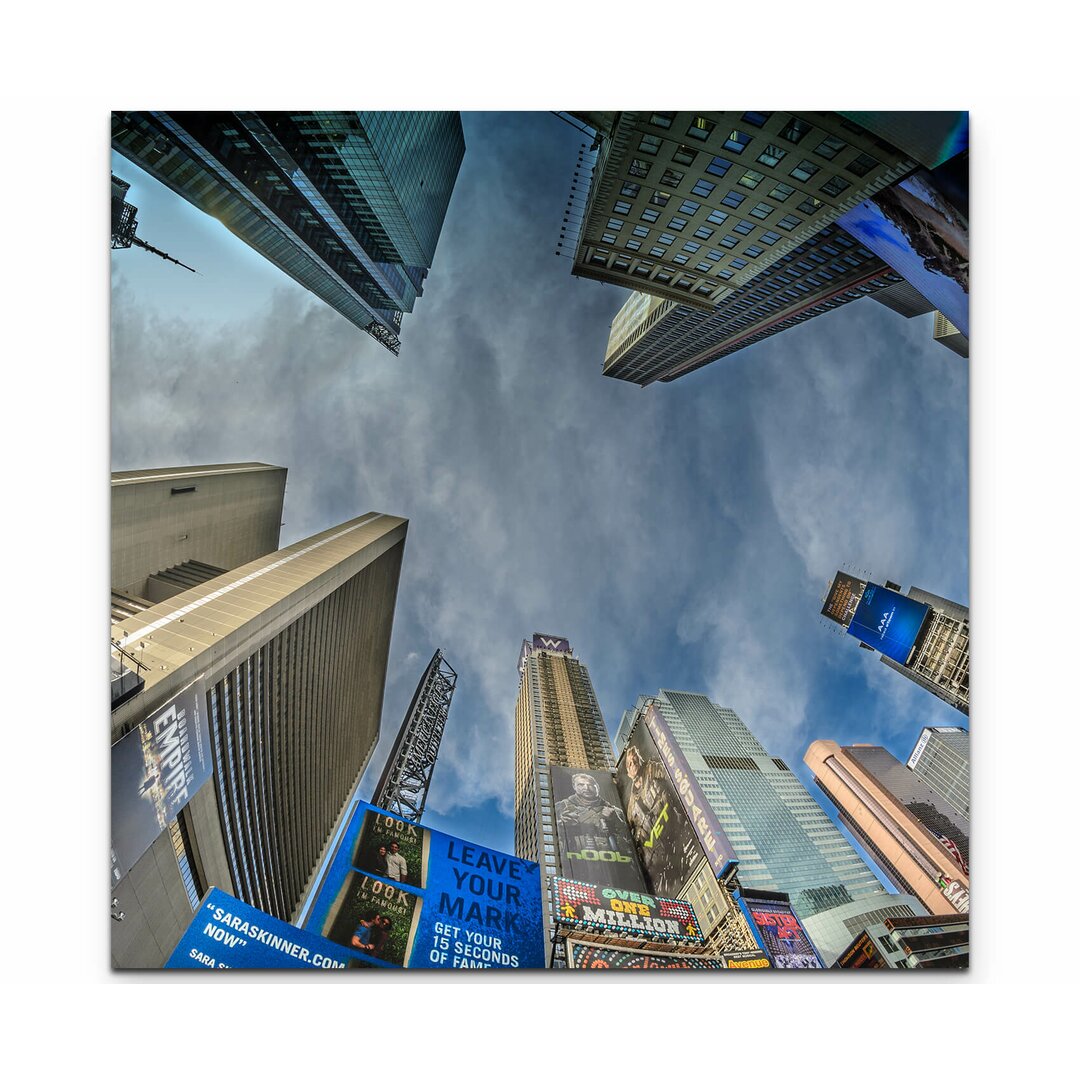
[[348, 204], [783, 839], [916, 838], [691, 206], [557, 721], [922, 636], [282, 660], [942, 760]]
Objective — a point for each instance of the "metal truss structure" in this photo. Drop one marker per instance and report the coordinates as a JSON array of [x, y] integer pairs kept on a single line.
[[384, 337], [124, 225], [403, 786]]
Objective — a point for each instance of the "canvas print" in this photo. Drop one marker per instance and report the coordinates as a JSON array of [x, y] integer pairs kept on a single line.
[[539, 540]]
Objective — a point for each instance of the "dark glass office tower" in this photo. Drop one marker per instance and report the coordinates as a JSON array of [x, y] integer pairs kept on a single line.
[[348, 204]]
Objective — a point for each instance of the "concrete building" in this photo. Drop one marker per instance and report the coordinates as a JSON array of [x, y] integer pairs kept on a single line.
[[348, 204], [906, 828], [667, 188], [557, 721], [285, 655], [924, 637], [783, 839], [928, 941], [942, 760]]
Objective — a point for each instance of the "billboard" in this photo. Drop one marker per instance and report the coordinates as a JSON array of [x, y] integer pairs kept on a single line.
[[861, 953], [922, 233], [585, 957], [843, 598], [778, 931], [670, 820], [397, 894], [594, 840], [156, 768], [598, 909], [227, 933], [752, 959], [888, 621]]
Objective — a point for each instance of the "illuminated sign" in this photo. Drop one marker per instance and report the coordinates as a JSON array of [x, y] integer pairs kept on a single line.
[[843, 598], [592, 958], [888, 621], [621, 911], [778, 930], [746, 958]]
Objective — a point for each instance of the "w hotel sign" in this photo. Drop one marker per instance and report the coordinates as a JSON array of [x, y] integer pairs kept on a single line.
[[554, 644]]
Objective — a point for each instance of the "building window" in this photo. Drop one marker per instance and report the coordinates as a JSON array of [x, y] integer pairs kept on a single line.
[[736, 142], [761, 211], [794, 130], [684, 156], [714, 254], [649, 215], [661, 119], [781, 192], [738, 264], [640, 230], [614, 223], [733, 199], [672, 177], [691, 245], [717, 217], [630, 190], [769, 238], [701, 128], [834, 185], [829, 147], [753, 251], [745, 227], [609, 238], [771, 155], [662, 276], [758, 119], [657, 252], [704, 267], [804, 170], [641, 271], [680, 259], [650, 144], [621, 207], [666, 238], [863, 164], [729, 241], [788, 222], [633, 245], [639, 168], [810, 205], [703, 233], [677, 223], [689, 207], [751, 179], [659, 198], [718, 166]]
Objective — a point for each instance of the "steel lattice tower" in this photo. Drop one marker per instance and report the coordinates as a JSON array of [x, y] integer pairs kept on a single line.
[[403, 786]]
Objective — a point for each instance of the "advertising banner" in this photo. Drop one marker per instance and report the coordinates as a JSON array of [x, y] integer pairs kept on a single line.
[[751, 959], [156, 768], [779, 932], [594, 840], [861, 953], [587, 957], [227, 933], [580, 903], [669, 818], [888, 621], [398, 894], [843, 598]]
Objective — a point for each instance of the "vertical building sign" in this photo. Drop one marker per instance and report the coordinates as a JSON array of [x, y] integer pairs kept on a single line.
[[156, 768], [594, 841]]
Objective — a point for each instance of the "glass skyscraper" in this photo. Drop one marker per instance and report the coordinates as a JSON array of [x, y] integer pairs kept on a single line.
[[942, 760], [348, 204], [784, 840]]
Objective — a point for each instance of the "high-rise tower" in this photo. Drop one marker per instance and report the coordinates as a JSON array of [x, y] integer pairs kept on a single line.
[[557, 721], [256, 707], [942, 760], [348, 204], [783, 839], [922, 636], [916, 838]]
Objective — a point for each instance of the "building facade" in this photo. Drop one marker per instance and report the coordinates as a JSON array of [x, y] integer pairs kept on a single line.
[[928, 941], [660, 340], [783, 839], [691, 206], [348, 204], [285, 657], [557, 721], [914, 836], [942, 760], [923, 636]]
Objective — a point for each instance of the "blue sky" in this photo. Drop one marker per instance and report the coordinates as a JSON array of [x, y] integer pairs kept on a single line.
[[681, 536]]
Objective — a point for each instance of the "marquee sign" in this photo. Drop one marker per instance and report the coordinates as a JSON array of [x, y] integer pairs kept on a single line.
[[620, 911]]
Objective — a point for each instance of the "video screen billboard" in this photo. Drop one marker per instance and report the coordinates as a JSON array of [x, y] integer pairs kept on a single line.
[[779, 932], [397, 894], [156, 768], [861, 953], [843, 598], [672, 823], [888, 621], [594, 840], [594, 908], [587, 957], [227, 933]]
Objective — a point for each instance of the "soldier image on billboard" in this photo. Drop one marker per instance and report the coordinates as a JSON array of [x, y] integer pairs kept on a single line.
[[594, 839]]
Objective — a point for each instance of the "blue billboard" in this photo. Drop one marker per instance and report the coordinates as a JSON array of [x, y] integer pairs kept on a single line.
[[227, 933], [888, 621], [397, 894]]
